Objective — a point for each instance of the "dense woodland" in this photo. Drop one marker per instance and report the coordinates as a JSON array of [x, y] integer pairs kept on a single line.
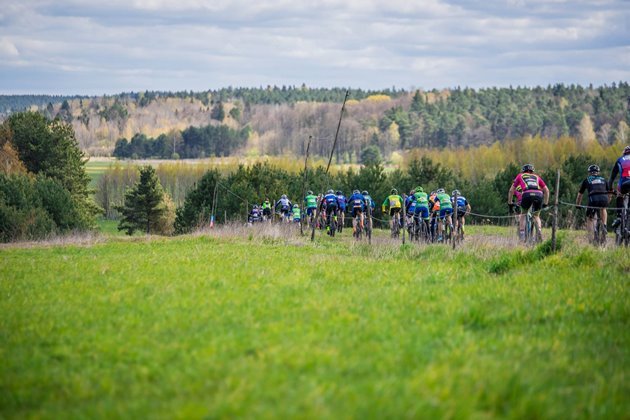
[[279, 120]]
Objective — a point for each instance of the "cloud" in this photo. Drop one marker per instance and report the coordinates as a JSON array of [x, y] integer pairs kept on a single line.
[[197, 44]]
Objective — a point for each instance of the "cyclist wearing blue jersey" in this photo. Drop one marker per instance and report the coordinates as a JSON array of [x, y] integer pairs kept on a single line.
[[463, 208], [342, 203], [329, 205], [356, 205], [621, 168]]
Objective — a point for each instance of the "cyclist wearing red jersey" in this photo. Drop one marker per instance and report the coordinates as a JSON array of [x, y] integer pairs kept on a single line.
[[535, 195], [621, 168]]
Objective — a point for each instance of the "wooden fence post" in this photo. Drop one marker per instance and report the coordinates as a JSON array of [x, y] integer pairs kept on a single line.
[[555, 213]]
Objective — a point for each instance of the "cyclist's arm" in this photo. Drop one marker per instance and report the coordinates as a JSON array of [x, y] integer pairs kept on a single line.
[[613, 174], [385, 204], [545, 195], [510, 194], [578, 200]]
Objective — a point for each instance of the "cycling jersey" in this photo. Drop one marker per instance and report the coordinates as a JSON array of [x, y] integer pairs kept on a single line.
[[357, 201], [621, 168], [341, 202], [296, 214], [284, 204], [422, 199], [529, 183], [330, 201], [596, 186], [461, 201], [369, 201], [310, 201], [393, 201], [444, 200]]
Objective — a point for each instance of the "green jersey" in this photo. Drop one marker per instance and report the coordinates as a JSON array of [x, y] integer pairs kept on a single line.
[[296, 213], [422, 199], [266, 205], [310, 201], [445, 201]]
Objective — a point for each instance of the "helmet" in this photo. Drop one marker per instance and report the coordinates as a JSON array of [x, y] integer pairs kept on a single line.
[[419, 189], [309, 192], [356, 192], [528, 167], [339, 193], [284, 196], [456, 192], [440, 191], [626, 150], [330, 192], [364, 192], [593, 168], [295, 206], [412, 192], [394, 191]]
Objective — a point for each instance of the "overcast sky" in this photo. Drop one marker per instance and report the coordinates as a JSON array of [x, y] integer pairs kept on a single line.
[[95, 47]]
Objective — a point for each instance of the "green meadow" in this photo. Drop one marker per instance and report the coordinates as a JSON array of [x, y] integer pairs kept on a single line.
[[244, 323]]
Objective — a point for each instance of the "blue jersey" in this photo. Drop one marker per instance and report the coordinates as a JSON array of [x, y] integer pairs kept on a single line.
[[341, 202], [357, 201], [461, 201], [411, 207], [368, 200], [330, 200], [410, 199], [621, 168]]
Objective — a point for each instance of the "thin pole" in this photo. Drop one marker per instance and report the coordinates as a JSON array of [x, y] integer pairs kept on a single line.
[[343, 107], [555, 213], [308, 147], [404, 219]]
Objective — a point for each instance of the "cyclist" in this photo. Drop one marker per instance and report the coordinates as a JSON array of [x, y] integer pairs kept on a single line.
[[285, 207], [434, 206], [535, 194], [463, 208], [266, 209], [297, 215], [310, 201], [422, 206], [329, 205], [357, 204], [394, 202], [255, 215], [598, 196], [446, 209], [410, 209], [341, 202], [621, 168], [368, 200]]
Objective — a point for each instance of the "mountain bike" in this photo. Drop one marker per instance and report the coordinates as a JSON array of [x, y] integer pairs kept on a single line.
[[532, 234], [356, 226], [622, 232], [331, 223], [395, 228], [341, 219]]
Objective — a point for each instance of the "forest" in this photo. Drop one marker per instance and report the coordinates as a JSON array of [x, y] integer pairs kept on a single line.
[[279, 120]]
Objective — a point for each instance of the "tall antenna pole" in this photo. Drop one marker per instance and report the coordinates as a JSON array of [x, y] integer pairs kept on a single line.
[[343, 107]]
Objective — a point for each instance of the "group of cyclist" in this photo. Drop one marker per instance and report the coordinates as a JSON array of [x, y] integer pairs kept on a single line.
[[434, 209], [528, 190]]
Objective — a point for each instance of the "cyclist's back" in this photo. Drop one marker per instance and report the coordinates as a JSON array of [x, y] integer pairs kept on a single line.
[[621, 168]]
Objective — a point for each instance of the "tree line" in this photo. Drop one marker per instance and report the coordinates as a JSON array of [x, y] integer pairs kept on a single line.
[[281, 119], [192, 143]]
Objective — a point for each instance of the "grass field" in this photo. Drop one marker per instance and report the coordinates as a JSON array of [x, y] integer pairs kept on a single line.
[[218, 325]]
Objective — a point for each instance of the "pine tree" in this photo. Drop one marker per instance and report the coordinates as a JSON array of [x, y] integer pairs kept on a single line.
[[143, 203]]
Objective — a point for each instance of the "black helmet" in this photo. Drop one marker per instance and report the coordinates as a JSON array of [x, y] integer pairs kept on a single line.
[[593, 168], [339, 192], [394, 191], [528, 167], [364, 192]]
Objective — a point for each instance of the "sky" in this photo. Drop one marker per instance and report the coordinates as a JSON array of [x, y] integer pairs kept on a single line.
[[91, 47]]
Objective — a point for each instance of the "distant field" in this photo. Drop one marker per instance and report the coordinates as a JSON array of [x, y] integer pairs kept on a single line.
[[243, 323]]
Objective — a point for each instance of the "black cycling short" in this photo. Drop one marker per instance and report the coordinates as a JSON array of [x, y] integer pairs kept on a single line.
[[461, 212], [600, 201], [394, 210], [356, 210], [533, 200], [267, 212], [624, 188]]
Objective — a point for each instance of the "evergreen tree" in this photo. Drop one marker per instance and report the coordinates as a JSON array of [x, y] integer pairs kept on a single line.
[[143, 203]]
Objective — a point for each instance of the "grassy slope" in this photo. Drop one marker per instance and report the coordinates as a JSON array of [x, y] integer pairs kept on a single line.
[[198, 326]]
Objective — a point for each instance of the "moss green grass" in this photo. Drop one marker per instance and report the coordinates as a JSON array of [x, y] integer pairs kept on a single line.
[[202, 327]]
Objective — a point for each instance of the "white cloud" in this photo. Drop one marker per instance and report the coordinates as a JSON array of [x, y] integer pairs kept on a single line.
[[7, 48]]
